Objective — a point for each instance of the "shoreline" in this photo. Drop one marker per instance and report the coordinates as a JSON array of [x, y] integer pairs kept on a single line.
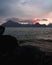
[[44, 45]]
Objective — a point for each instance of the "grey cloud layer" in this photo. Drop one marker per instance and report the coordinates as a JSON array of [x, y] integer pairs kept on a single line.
[[25, 8]]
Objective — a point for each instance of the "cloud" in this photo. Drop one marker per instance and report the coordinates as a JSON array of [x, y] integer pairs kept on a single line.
[[49, 15], [25, 8]]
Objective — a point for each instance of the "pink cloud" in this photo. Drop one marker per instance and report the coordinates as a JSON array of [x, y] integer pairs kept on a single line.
[[49, 15]]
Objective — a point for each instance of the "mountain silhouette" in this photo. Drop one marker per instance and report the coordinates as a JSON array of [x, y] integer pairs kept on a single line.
[[39, 25], [50, 25], [11, 23]]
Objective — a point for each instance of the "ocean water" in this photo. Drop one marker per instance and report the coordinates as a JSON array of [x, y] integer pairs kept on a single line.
[[29, 33], [32, 36]]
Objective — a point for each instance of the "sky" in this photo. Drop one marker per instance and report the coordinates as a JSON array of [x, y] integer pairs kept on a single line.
[[26, 8]]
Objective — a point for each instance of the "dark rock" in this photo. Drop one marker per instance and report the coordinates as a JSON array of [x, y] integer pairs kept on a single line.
[[2, 29], [30, 55], [8, 46], [7, 43]]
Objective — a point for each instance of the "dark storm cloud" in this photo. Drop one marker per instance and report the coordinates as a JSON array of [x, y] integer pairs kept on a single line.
[[6, 7], [25, 8]]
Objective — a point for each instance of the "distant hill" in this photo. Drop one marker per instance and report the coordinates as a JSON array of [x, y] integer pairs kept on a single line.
[[50, 25], [11, 23], [39, 25]]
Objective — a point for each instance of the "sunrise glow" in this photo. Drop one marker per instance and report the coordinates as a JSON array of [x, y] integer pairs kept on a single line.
[[45, 21]]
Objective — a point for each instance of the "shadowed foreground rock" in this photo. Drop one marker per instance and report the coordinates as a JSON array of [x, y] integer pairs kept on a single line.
[[2, 29], [13, 54], [8, 46], [8, 42], [31, 55]]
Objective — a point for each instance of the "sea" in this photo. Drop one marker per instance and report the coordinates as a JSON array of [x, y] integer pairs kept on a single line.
[[31, 35], [27, 33]]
